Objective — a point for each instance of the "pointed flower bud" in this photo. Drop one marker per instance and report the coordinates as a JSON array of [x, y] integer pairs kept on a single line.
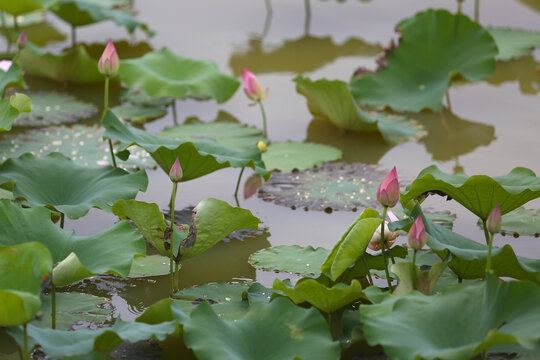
[[388, 192], [109, 62], [252, 86], [21, 41], [262, 146], [494, 220], [176, 171], [375, 243], [417, 234]]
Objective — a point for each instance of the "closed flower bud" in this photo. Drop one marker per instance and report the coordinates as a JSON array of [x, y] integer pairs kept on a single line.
[[252, 86], [494, 220], [21, 41], [375, 243], [417, 234], [109, 62], [388, 192], [262, 146], [176, 171]]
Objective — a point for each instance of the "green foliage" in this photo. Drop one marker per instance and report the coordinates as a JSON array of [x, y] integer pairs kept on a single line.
[[11, 108], [413, 278], [435, 46], [138, 114], [286, 156], [13, 77], [293, 259], [519, 222], [513, 43], [163, 73], [21, 7]]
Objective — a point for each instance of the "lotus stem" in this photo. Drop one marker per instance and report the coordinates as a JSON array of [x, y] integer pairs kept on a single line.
[[414, 258], [172, 272], [73, 36], [176, 276], [6, 31], [448, 103], [459, 6], [367, 269], [476, 10], [26, 354], [53, 302], [173, 106], [335, 321], [265, 131], [238, 182], [384, 251], [268, 18], [307, 21], [384, 242], [62, 218], [105, 108], [15, 24]]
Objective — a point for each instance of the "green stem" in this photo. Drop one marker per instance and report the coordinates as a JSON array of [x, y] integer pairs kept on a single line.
[[173, 198], [384, 251], [335, 321], [486, 232], [62, 217], [53, 302], [265, 132], [476, 10], [307, 21], [238, 182], [173, 105], [448, 103], [414, 258], [176, 276], [488, 262], [73, 36], [383, 240], [15, 24], [105, 109], [26, 354], [459, 6], [367, 269]]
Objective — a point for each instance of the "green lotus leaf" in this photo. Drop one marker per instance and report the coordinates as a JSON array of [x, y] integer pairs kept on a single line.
[[478, 193], [197, 157], [21, 7], [430, 53], [83, 144], [60, 343], [54, 109], [11, 108], [150, 265], [520, 221], [333, 101], [138, 114], [163, 73], [352, 245], [24, 21], [278, 330], [13, 77], [327, 299], [39, 31], [513, 43], [86, 12], [214, 293], [110, 251], [293, 259], [459, 323], [24, 268], [286, 156], [58, 183], [412, 278], [137, 96]]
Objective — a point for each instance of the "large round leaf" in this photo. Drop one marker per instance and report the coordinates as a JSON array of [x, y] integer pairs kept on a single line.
[[109, 251], [23, 267], [197, 157], [435, 46], [56, 182], [458, 324], [278, 330], [286, 156], [478, 193], [163, 73]]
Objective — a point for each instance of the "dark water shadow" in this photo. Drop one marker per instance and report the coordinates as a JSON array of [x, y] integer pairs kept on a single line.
[[524, 71]]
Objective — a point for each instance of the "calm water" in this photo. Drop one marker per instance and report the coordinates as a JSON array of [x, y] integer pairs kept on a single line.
[[335, 40]]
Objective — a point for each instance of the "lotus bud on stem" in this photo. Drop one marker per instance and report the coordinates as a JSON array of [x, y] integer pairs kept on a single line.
[[175, 174], [491, 227], [253, 90], [417, 237]]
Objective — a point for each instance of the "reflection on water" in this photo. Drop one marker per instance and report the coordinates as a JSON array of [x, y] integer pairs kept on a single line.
[[523, 70], [40, 34], [533, 4]]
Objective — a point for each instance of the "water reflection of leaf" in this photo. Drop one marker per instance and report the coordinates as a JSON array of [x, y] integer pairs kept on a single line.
[[309, 54], [522, 71], [450, 136], [40, 33], [533, 4]]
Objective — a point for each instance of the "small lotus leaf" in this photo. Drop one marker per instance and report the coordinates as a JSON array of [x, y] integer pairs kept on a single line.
[[55, 181], [21, 7], [293, 259], [478, 193], [513, 43], [13, 77], [412, 278], [214, 293], [197, 158], [278, 330], [333, 101], [138, 114], [286, 156], [137, 96], [431, 51], [459, 323], [163, 73], [327, 299], [54, 109], [520, 221], [23, 267], [11, 108], [150, 265]]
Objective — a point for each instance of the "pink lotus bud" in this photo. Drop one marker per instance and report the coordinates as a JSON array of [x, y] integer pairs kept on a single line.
[[388, 192], [262, 146], [494, 220], [109, 62], [176, 171], [417, 234], [252, 87], [375, 243], [5, 65], [21, 41]]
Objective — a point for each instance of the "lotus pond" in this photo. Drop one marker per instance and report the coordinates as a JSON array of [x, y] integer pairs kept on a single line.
[[157, 202]]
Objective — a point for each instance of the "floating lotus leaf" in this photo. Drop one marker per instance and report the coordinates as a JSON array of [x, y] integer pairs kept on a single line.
[[83, 144], [58, 183], [327, 299], [431, 51], [86, 12], [11, 108], [197, 157], [478, 193], [333, 101], [293, 259], [214, 219], [520, 221], [20, 7], [278, 330], [110, 251], [60, 343], [289, 155], [76, 310], [137, 96], [214, 293], [138, 114], [54, 109], [513, 43], [23, 21], [163, 73], [461, 322], [151, 265], [24, 268]]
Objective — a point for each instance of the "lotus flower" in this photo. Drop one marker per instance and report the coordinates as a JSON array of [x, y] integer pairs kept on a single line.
[[375, 243], [388, 192], [176, 171], [5, 65], [21, 41], [417, 234], [109, 62], [494, 220], [252, 86]]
